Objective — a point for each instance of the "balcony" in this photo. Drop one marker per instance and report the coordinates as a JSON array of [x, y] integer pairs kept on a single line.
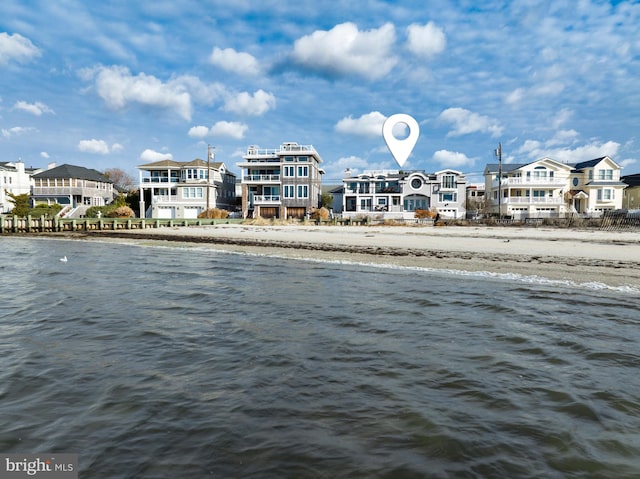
[[164, 199], [516, 182], [523, 200], [266, 199], [161, 180], [261, 178]]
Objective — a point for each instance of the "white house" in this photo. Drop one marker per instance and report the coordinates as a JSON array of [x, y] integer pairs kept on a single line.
[[179, 189], [548, 188], [392, 194], [14, 179]]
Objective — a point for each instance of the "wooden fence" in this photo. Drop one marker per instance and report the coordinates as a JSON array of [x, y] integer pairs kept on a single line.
[[44, 224]]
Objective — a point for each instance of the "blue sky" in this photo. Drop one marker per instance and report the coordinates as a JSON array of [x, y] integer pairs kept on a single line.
[[116, 84]]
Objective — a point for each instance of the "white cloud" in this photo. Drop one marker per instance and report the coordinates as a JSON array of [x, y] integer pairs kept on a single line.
[[627, 162], [151, 155], [425, 40], [16, 47], [93, 146], [198, 132], [254, 105], [369, 124], [233, 61], [36, 108], [17, 130], [44, 154], [452, 158], [118, 87], [535, 150], [515, 96], [345, 50], [116, 147], [230, 129], [466, 122]]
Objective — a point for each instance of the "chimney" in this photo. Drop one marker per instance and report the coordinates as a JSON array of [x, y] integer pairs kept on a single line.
[[51, 165]]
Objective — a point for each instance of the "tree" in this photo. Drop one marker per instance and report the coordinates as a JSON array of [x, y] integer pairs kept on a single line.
[[326, 200], [122, 180], [20, 203]]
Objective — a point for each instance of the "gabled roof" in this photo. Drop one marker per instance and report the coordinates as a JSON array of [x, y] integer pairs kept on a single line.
[[162, 164], [71, 171], [591, 163]]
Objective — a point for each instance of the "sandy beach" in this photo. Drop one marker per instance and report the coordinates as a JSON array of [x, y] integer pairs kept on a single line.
[[580, 256]]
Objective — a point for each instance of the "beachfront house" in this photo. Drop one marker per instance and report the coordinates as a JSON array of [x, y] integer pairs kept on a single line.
[[74, 187], [178, 189], [284, 182], [393, 194], [549, 188], [631, 194], [15, 178]]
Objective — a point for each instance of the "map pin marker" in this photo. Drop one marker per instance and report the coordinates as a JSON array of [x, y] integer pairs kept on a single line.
[[400, 149]]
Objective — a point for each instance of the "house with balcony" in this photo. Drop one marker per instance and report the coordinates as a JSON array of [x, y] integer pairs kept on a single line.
[[14, 179], [284, 182], [75, 187], [549, 188], [392, 194], [178, 189]]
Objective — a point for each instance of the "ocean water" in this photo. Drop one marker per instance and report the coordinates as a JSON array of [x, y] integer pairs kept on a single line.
[[186, 362]]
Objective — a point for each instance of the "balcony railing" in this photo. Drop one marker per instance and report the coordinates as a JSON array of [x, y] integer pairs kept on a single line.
[[261, 178], [531, 182], [530, 201], [266, 198], [164, 199], [162, 179]]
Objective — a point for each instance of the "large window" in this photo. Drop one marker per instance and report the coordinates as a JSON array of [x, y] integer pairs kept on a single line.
[[448, 181], [289, 171], [605, 174], [605, 194], [289, 191], [192, 193], [451, 196], [303, 171], [303, 191]]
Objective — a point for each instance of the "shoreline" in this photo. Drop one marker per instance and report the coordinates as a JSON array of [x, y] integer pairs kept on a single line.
[[610, 258]]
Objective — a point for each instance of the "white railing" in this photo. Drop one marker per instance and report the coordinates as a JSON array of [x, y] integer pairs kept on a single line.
[[163, 179], [266, 198], [164, 199], [531, 181], [262, 178], [284, 148], [532, 200]]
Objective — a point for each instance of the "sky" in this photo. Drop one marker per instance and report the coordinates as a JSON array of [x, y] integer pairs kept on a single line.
[[118, 84]]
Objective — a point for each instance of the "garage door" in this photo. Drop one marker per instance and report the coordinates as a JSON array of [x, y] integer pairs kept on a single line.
[[165, 212], [191, 211]]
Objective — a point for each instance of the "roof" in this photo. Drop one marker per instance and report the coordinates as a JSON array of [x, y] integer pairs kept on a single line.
[[216, 165], [589, 163], [71, 171], [631, 180], [506, 167]]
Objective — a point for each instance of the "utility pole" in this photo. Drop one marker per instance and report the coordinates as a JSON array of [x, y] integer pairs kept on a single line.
[[209, 153], [498, 153]]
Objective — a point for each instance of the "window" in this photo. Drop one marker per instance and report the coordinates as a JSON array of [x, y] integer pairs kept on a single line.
[[416, 183], [448, 181], [288, 158], [539, 193], [289, 191], [289, 171], [303, 158], [605, 174], [303, 191], [192, 193], [450, 196], [605, 194], [303, 171], [382, 202]]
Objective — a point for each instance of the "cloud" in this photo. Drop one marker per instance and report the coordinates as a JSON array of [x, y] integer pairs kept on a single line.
[[118, 87], [345, 50], [595, 149], [16, 47], [230, 129], [44, 154], [36, 108], [198, 132], [151, 155], [233, 61], [425, 40], [253, 105], [452, 158], [466, 122], [17, 130], [627, 162], [93, 146], [369, 124], [116, 147]]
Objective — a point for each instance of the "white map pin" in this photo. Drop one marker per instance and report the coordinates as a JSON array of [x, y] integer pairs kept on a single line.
[[400, 149]]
